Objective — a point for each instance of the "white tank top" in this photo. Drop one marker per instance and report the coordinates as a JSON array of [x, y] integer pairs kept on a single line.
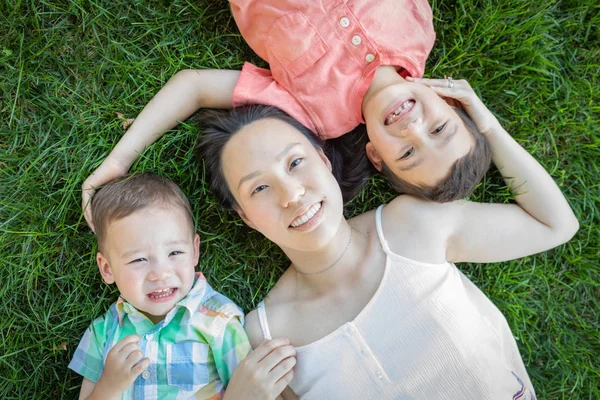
[[427, 333]]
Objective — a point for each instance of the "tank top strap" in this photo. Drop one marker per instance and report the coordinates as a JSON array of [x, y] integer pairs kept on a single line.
[[262, 320], [384, 243]]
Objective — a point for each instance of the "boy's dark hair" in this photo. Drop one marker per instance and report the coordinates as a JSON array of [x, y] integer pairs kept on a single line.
[[219, 126], [131, 193], [464, 176]]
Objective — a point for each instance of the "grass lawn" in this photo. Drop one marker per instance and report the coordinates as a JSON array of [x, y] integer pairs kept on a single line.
[[68, 67]]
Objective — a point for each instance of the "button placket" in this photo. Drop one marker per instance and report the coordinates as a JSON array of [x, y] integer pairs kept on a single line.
[[356, 39], [371, 362]]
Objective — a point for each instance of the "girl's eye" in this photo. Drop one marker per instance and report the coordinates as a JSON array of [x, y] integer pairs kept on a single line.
[[259, 189], [295, 163], [176, 253], [439, 129], [408, 153]]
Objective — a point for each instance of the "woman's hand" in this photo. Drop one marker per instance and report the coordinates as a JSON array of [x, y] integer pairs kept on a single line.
[[105, 173], [463, 93], [265, 373]]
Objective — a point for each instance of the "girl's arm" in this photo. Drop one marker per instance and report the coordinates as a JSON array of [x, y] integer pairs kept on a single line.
[[183, 94], [541, 218]]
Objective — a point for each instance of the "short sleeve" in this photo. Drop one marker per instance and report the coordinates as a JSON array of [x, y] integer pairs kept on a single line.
[[88, 360], [257, 86], [229, 348]]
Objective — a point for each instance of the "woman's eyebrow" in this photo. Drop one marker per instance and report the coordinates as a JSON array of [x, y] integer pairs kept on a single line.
[[286, 150], [279, 157], [249, 176]]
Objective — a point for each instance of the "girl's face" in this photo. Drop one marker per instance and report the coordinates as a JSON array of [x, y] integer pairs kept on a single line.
[[414, 132], [283, 186]]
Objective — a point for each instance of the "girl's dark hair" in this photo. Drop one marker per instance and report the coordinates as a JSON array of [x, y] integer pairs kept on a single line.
[[219, 126], [464, 176]]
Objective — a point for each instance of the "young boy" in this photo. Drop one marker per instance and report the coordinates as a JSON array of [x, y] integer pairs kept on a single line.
[[169, 335]]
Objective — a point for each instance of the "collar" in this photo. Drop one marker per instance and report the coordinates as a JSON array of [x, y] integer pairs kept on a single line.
[[191, 302]]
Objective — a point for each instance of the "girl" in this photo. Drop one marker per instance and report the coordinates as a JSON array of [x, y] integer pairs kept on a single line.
[[374, 305], [334, 65]]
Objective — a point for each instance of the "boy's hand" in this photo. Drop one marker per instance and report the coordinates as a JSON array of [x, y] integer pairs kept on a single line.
[[124, 363], [462, 92], [264, 373], [105, 173]]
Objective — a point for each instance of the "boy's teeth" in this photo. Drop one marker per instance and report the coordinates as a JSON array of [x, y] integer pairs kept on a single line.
[[392, 117], [161, 293], [307, 216]]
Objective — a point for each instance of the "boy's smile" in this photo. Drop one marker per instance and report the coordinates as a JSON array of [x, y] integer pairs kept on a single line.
[[151, 255]]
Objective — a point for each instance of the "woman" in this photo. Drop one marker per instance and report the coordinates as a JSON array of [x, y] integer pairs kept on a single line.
[[374, 305]]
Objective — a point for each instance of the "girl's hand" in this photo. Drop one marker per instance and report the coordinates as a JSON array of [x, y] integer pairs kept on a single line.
[[463, 93], [124, 363], [265, 373], [105, 173]]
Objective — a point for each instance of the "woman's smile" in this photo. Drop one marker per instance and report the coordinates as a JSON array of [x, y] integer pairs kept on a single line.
[[308, 219]]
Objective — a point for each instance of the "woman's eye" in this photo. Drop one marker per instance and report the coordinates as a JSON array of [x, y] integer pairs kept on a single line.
[[259, 189], [439, 129], [408, 153], [295, 163]]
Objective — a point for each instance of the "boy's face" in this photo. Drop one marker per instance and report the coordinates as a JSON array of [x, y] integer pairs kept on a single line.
[[414, 132], [151, 255]]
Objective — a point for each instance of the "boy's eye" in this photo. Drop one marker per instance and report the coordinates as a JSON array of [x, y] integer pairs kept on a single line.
[[295, 163], [176, 253], [439, 129], [259, 189], [137, 260], [408, 153]]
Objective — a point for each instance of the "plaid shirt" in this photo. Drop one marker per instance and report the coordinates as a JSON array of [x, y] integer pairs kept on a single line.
[[192, 352]]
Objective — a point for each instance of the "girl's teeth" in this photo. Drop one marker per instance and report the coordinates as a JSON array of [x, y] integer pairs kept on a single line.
[[307, 216]]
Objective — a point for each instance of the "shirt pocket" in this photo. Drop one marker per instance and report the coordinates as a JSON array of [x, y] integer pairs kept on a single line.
[[295, 43], [187, 365]]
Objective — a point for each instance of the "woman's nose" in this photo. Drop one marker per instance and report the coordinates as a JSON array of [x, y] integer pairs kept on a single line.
[[291, 193]]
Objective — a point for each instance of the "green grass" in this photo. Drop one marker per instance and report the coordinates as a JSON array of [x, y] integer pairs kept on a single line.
[[66, 68]]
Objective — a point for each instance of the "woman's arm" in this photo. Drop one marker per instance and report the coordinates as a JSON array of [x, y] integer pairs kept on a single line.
[[541, 218], [183, 94]]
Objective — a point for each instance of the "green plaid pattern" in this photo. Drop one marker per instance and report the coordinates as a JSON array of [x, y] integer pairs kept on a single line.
[[194, 350]]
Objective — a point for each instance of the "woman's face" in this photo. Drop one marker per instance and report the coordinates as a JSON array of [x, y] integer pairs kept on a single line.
[[283, 186], [414, 132]]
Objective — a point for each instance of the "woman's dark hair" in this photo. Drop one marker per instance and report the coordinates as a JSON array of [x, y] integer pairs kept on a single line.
[[464, 176], [219, 126]]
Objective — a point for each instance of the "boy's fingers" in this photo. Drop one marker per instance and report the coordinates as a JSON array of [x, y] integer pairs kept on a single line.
[[126, 341], [134, 357], [282, 383], [265, 348], [281, 369], [429, 81], [140, 366], [129, 348], [277, 356]]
